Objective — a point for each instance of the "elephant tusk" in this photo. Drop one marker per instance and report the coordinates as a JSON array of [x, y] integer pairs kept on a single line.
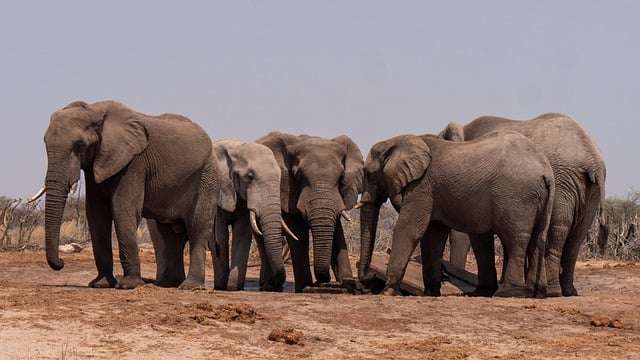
[[359, 205], [346, 216], [288, 231], [38, 195], [254, 223], [74, 187]]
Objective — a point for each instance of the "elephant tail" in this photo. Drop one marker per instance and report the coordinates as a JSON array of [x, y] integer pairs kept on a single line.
[[539, 236]]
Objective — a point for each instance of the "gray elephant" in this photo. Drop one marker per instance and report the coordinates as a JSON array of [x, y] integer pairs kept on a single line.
[[250, 203], [321, 180], [135, 166], [580, 175], [499, 184]]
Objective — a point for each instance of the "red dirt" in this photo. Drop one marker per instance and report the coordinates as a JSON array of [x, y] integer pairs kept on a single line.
[[48, 314]]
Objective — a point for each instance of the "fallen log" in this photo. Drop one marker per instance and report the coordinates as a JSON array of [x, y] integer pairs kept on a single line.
[[412, 282]]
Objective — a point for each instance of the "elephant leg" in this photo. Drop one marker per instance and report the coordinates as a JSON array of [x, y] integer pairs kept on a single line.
[[459, 245], [127, 203], [412, 223], [431, 249], [240, 248], [220, 252], [198, 235], [484, 251], [100, 223], [299, 252], [570, 256], [340, 256], [556, 240], [169, 254], [514, 280]]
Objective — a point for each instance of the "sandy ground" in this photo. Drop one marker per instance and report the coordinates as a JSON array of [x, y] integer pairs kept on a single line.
[[53, 315]]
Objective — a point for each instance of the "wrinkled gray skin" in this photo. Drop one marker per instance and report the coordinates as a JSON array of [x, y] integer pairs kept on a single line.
[[459, 244], [250, 180], [580, 175], [135, 166], [499, 184], [320, 179]]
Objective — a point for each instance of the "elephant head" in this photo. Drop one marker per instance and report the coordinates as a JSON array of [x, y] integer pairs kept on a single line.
[[321, 180], [390, 167], [251, 174], [101, 139]]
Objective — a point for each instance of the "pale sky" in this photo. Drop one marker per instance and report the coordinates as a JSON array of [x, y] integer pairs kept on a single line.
[[368, 69]]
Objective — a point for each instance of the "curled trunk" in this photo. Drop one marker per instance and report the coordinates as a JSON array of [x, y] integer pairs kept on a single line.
[[369, 214]]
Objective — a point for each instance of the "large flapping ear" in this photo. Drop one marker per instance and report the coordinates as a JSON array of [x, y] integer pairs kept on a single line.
[[406, 160], [227, 199], [123, 136], [453, 132], [351, 183], [279, 143]]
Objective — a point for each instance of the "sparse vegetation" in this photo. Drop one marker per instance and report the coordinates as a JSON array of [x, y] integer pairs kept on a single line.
[[614, 234]]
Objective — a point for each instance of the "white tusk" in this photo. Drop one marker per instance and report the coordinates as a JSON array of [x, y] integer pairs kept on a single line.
[[74, 187], [254, 223], [288, 231], [359, 205], [38, 195], [346, 216]]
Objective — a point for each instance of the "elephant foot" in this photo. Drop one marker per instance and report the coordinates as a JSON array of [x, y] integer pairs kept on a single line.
[[513, 291], [554, 290], [129, 282], [168, 282], [191, 284], [433, 291], [569, 290], [103, 282], [482, 292]]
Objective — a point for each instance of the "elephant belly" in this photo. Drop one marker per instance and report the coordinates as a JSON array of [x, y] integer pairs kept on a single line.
[[471, 219]]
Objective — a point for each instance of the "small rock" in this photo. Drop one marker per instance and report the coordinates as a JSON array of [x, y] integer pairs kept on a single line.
[[599, 321], [70, 248], [616, 324], [286, 336]]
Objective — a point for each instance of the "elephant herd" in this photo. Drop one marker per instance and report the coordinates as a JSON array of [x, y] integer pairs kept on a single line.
[[536, 184]]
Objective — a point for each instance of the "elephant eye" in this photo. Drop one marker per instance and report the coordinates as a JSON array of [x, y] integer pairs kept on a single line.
[[250, 175], [79, 146]]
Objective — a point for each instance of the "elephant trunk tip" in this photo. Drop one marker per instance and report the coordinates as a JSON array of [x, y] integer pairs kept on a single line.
[[55, 263]]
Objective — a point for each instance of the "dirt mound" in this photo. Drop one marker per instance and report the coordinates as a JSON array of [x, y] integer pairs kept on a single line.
[[287, 336], [206, 312], [603, 321]]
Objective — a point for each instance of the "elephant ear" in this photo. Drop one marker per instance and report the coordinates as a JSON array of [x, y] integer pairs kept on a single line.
[[453, 132], [351, 183], [405, 161], [278, 143], [227, 198], [123, 136]]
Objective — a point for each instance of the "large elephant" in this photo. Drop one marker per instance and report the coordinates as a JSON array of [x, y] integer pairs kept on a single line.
[[135, 166], [250, 203], [499, 184], [321, 180], [580, 175]]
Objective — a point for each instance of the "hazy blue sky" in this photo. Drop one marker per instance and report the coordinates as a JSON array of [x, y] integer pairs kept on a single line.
[[368, 69]]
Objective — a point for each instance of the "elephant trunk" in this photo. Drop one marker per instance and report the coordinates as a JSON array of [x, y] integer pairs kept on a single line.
[[271, 224], [369, 214], [322, 218], [57, 190]]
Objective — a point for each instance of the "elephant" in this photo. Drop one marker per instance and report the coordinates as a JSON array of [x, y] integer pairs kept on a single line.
[[249, 202], [498, 184], [580, 175], [320, 180], [135, 166]]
